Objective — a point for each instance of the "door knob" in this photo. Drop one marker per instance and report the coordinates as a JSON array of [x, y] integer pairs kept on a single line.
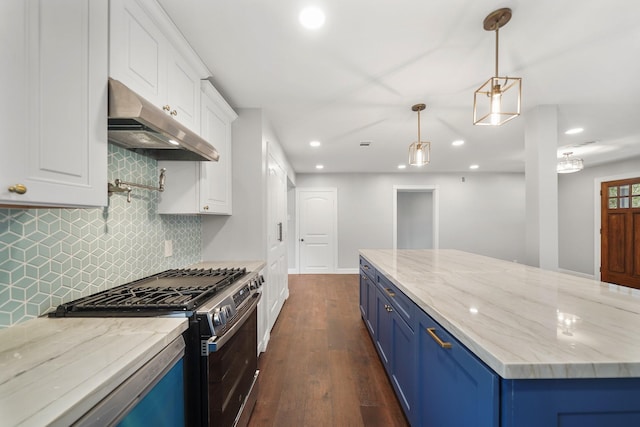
[[302, 240], [18, 188]]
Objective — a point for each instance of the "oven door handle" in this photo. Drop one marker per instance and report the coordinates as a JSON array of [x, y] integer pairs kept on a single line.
[[215, 343]]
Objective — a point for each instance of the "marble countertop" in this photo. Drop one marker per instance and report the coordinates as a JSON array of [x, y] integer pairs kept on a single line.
[[53, 370], [523, 322]]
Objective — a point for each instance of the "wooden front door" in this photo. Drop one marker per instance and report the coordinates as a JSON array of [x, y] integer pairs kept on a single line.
[[620, 232]]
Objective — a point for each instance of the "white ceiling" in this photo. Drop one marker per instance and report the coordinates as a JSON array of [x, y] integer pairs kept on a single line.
[[356, 78]]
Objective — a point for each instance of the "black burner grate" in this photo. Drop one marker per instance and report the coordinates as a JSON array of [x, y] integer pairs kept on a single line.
[[171, 290]]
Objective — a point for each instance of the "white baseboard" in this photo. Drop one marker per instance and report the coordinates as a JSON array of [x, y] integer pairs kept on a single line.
[[576, 273]]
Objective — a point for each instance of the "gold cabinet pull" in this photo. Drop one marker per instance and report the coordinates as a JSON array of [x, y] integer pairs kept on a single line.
[[18, 188], [206, 208], [166, 107], [174, 113], [432, 332], [390, 292]]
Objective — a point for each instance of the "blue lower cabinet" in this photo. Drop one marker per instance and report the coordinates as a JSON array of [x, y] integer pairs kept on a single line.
[[364, 297], [571, 402], [455, 389], [163, 405], [395, 344]]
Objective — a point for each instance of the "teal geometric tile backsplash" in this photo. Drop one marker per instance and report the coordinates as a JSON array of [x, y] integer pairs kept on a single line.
[[51, 256]]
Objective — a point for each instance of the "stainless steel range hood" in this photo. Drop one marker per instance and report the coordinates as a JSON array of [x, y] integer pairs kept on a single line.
[[138, 125]]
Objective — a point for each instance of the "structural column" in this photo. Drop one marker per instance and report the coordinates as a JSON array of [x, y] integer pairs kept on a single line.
[[541, 146]]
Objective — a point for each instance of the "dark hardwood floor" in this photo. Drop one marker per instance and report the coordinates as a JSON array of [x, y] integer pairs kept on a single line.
[[321, 367]]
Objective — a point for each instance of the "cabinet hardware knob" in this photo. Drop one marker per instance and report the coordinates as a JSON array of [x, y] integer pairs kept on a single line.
[[174, 113], [18, 188], [166, 107], [206, 208], [390, 292], [388, 308], [432, 332]]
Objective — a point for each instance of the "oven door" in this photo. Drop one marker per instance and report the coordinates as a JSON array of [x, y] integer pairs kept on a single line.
[[232, 371]]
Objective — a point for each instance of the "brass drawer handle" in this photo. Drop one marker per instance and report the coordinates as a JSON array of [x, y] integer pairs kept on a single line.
[[166, 107], [390, 292], [432, 332], [18, 188], [174, 113]]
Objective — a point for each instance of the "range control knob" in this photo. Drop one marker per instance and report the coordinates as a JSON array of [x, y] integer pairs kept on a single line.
[[219, 317]]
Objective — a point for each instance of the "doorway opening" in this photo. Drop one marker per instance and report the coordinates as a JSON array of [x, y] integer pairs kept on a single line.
[[415, 217]]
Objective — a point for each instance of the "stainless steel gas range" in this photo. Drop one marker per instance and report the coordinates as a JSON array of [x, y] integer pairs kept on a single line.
[[220, 362]]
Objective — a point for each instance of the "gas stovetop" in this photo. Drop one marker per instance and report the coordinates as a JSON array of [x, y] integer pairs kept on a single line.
[[179, 290]]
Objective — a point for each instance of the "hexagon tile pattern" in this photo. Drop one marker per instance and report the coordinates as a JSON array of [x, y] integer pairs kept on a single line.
[[51, 256]]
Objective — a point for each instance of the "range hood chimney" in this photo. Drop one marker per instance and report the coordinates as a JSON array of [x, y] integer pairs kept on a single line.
[[138, 125]]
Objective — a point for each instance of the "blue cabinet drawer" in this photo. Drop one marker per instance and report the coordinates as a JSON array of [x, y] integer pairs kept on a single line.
[[367, 268], [400, 302]]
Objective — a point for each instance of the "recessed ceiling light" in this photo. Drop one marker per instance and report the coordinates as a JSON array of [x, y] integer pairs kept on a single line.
[[402, 166], [315, 143], [319, 166], [474, 167], [457, 143], [311, 18], [573, 131]]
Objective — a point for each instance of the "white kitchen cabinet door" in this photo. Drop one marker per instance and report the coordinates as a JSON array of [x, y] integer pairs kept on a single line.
[[138, 51], [203, 187], [216, 177], [55, 127], [149, 55], [183, 91]]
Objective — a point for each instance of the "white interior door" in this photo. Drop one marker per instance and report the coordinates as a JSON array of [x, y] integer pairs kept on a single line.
[[317, 230]]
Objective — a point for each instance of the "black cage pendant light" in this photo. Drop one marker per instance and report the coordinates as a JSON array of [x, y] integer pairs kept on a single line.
[[419, 151], [498, 100]]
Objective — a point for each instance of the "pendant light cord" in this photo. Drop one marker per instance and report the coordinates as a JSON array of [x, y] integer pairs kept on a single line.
[[497, 36]]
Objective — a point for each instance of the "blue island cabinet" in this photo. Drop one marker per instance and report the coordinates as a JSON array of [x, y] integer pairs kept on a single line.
[[455, 389], [573, 402]]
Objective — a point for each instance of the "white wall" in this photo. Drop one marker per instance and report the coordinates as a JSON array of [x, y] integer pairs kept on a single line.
[[485, 214], [576, 207], [241, 236]]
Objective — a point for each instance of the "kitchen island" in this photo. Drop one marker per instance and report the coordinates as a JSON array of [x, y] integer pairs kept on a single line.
[[522, 346]]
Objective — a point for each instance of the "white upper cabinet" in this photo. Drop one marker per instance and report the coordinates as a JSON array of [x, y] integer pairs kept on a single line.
[[149, 54], [215, 177], [203, 187], [54, 123]]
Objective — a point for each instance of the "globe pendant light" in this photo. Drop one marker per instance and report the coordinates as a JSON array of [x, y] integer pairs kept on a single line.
[[568, 164], [498, 100], [419, 151]]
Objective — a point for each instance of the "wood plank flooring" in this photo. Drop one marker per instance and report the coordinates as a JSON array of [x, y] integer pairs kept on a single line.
[[321, 367]]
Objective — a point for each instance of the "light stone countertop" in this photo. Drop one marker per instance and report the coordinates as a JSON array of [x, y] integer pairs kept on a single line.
[[53, 370], [523, 322]]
